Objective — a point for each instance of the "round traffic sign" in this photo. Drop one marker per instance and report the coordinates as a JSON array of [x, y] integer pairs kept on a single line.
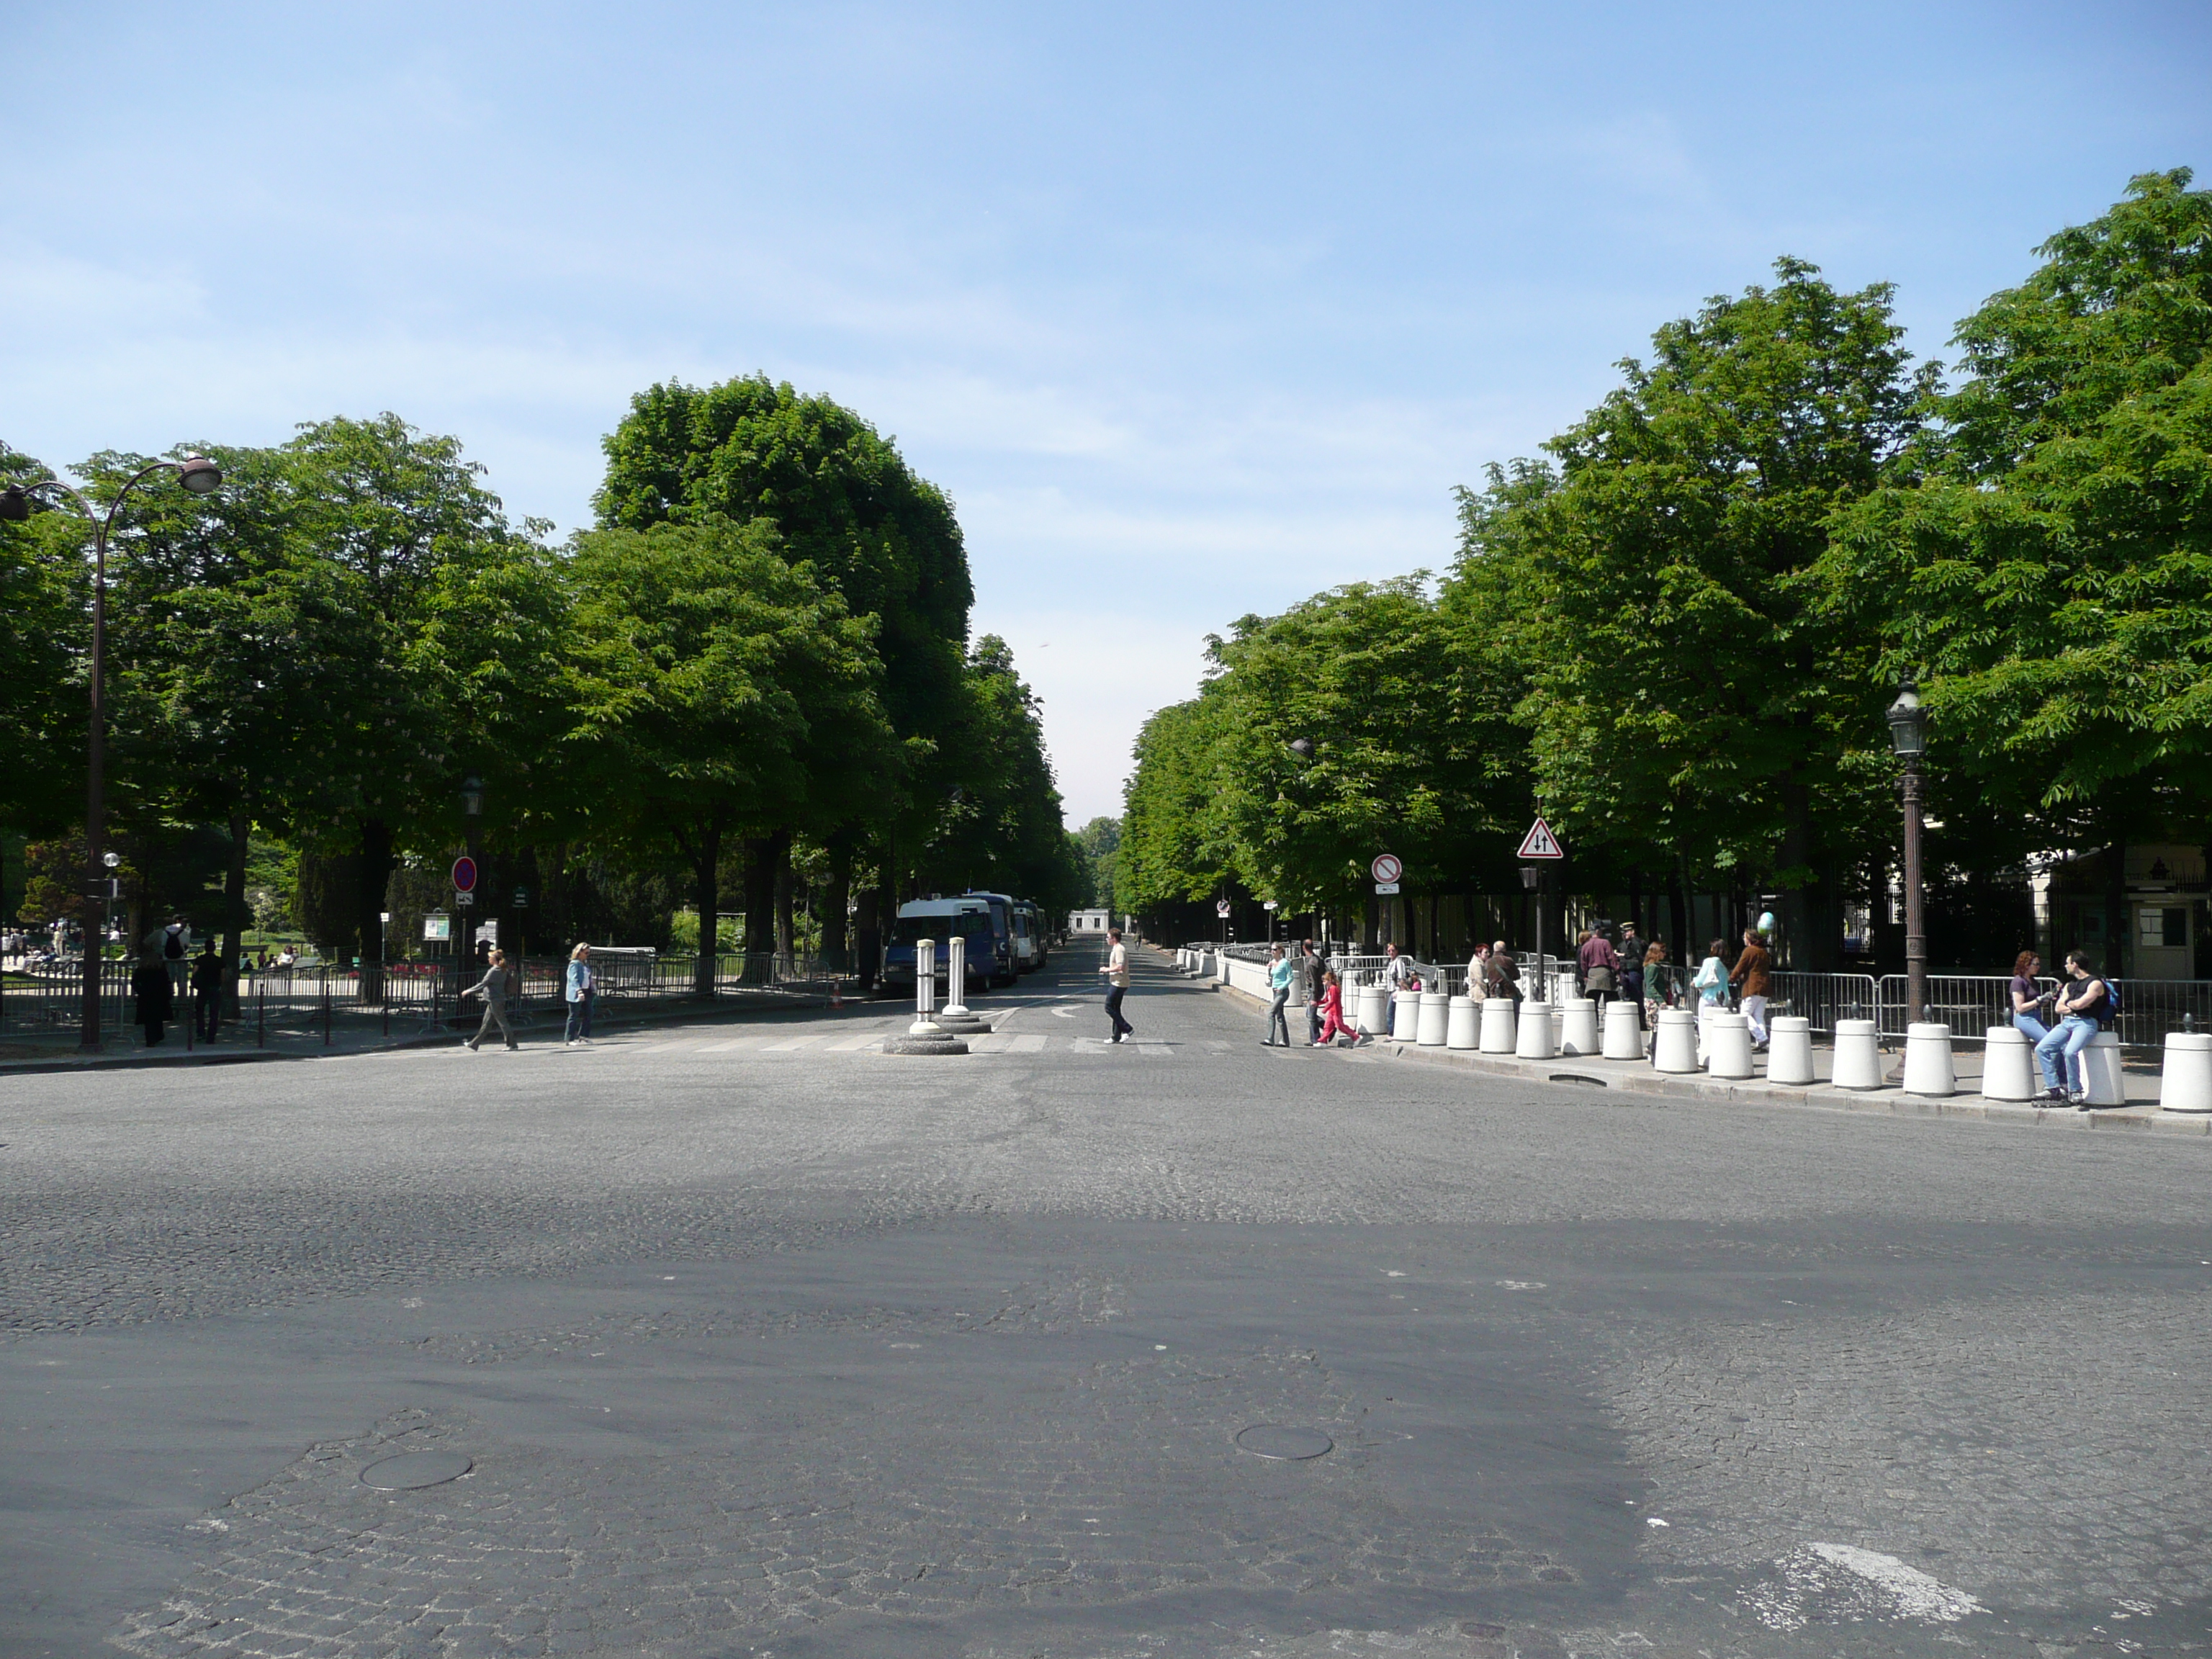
[[465, 874], [1386, 866]]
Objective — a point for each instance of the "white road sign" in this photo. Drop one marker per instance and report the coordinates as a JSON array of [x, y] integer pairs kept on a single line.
[[1386, 887], [1541, 844], [1221, 907], [1386, 866]]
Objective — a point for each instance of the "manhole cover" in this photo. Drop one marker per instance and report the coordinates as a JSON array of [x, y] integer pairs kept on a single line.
[[1272, 1440], [413, 1469]]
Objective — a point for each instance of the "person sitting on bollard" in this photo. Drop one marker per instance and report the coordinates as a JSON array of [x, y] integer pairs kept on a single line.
[[1278, 982], [1710, 983], [2031, 1014], [1749, 977], [1398, 971], [1332, 1012], [1503, 974], [1658, 992], [1598, 966], [2081, 1006]]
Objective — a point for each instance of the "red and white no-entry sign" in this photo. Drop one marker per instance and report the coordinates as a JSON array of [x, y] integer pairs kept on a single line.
[[1541, 844], [1386, 866], [464, 875]]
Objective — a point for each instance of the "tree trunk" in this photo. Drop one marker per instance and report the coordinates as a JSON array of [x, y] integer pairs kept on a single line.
[[372, 875], [1678, 911], [234, 912], [787, 935], [835, 956], [706, 896], [760, 898]]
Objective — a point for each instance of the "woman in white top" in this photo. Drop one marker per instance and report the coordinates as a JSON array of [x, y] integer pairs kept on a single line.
[[1710, 983]]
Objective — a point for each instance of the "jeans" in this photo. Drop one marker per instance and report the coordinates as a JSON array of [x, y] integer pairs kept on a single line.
[[2059, 1053], [1114, 995], [2034, 1028], [1279, 1023], [1313, 1017], [580, 1019], [206, 1014]]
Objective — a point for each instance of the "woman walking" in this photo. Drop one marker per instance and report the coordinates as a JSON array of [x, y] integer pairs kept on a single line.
[[493, 988], [1278, 982], [580, 988]]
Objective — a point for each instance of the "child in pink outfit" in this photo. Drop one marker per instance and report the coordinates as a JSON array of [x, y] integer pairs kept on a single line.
[[1332, 1012]]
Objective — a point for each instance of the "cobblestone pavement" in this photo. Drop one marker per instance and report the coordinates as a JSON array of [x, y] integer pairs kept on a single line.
[[765, 1343]]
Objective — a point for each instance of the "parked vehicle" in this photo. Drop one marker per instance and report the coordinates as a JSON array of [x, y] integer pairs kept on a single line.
[[1005, 967], [1029, 937], [940, 919]]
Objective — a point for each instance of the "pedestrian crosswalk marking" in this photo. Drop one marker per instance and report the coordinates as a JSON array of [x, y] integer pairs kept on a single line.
[[795, 1042], [1027, 1045], [849, 1045], [725, 1047]]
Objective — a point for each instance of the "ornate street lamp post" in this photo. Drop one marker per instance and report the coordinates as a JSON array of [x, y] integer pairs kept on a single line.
[[202, 477], [1908, 736]]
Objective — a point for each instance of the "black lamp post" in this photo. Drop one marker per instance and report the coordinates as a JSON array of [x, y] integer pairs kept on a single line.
[[202, 477], [1532, 882], [1908, 736], [465, 948]]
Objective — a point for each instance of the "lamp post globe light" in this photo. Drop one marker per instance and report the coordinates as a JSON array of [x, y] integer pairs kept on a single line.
[[1908, 736], [200, 477]]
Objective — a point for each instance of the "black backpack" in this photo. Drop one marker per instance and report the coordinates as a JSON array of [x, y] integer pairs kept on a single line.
[[173, 947]]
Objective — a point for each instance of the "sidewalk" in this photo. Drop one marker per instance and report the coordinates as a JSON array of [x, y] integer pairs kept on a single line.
[[299, 1034], [1635, 1077]]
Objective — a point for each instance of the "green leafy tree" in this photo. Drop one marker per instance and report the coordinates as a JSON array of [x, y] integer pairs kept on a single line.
[[1177, 845], [704, 668], [1690, 697], [1098, 843], [2050, 578], [44, 631]]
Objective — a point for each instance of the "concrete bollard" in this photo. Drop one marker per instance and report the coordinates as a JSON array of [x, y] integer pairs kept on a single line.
[[1675, 1046], [1578, 1026], [1928, 1068], [1463, 1023], [2187, 1085], [1495, 1034], [1373, 1016], [1727, 1045], [954, 1016], [1433, 1024], [1858, 1055], [1789, 1048], [2101, 1074], [1536, 1039], [2007, 1064], [1623, 1030], [925, 1035], [1221, 960], [1404, 1016]]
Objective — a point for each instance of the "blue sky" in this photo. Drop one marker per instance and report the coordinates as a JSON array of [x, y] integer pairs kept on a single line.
[[1193, 310]]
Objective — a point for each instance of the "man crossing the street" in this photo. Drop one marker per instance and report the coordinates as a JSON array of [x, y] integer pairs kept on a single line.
[[1117, 983]]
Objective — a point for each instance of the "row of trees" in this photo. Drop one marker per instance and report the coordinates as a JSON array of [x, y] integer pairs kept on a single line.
[[1675, 632], [754, 673]]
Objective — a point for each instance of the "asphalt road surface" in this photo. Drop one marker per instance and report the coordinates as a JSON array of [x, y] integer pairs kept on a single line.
[[754, 1341]]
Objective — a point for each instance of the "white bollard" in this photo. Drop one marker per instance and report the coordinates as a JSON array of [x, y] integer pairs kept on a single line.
[[1727, 1045], [1404, 1016], [1788, 1049], [1674, 1047], [1495, 1035], [1431, 1027], [925, 987], [1536, 1039], [956, 978], [2187, 1084], [1624, 1032], [1373, 1015], [1858, 1055], [1578, 1026], [2007, 1065], [2101, 1074], [1463, 1025], [1928, 1068], [1221, 961]]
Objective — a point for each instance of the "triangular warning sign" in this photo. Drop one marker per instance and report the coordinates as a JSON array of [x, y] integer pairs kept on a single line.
[[1541, 844]]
